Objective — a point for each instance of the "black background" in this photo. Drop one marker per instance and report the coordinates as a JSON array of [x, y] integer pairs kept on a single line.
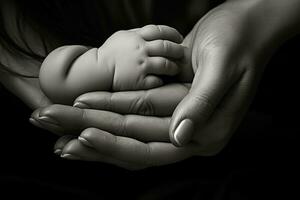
[[258, 162], [242, 170]]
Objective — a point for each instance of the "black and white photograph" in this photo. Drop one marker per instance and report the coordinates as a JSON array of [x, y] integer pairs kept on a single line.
[[149, 99]]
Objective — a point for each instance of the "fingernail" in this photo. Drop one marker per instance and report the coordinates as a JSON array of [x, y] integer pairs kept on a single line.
[[84, 141], [49, 120], [69, 156], [50, 124], [57, 151], [183, 132], [79, 104], [35, 122]]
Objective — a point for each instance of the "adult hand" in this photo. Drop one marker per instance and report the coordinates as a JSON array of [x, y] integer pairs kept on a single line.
[[26, 89], [130, 141], [229, 49]]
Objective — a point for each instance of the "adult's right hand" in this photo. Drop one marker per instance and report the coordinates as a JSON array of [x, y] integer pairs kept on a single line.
[[230, 47]]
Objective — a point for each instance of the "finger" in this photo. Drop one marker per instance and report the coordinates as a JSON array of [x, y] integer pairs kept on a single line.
[[160, 101], [44, 123], [211, 82], [36, 112], [133, 151], [61, 142], [161, 66], [74, 120], [40, 120], [164, 48], [156, 32], [151, 81], [76, 150]]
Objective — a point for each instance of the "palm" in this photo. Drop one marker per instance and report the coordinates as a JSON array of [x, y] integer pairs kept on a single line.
[[226, 56]]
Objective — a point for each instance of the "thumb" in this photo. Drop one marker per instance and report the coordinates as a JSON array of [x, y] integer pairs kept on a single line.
[[210, 83]]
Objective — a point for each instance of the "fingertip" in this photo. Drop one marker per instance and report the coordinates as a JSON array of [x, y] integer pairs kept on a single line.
[[69, 156], [82, 99], [57, 152], [154, 32], [85, 141], [62, 141], [34, 122], [36, 113], [178, 38], [152, 82], [183, 133], [81, 105], [70, 147]]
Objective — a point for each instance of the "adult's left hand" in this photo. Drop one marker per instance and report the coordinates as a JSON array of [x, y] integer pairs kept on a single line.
[[133, 141]]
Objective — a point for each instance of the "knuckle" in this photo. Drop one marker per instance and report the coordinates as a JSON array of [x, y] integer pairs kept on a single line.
[[143, 105], [83, 119], [110, 102], [161, 44], [165, 46], [115, 140], [122, 126], [166, 64], [83, 114], [159, 28], [150, 28]]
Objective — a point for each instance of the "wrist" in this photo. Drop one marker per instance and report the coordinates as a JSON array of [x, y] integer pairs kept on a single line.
[[276, 20], [269, 23]]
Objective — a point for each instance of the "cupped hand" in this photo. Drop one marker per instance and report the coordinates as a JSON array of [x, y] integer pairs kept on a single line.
[[229, 49], [132, 141]]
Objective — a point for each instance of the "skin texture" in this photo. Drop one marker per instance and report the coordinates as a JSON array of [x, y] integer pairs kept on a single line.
[[117, 143], [229, 62], [137, 135], [228, 66], [128, 60]]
